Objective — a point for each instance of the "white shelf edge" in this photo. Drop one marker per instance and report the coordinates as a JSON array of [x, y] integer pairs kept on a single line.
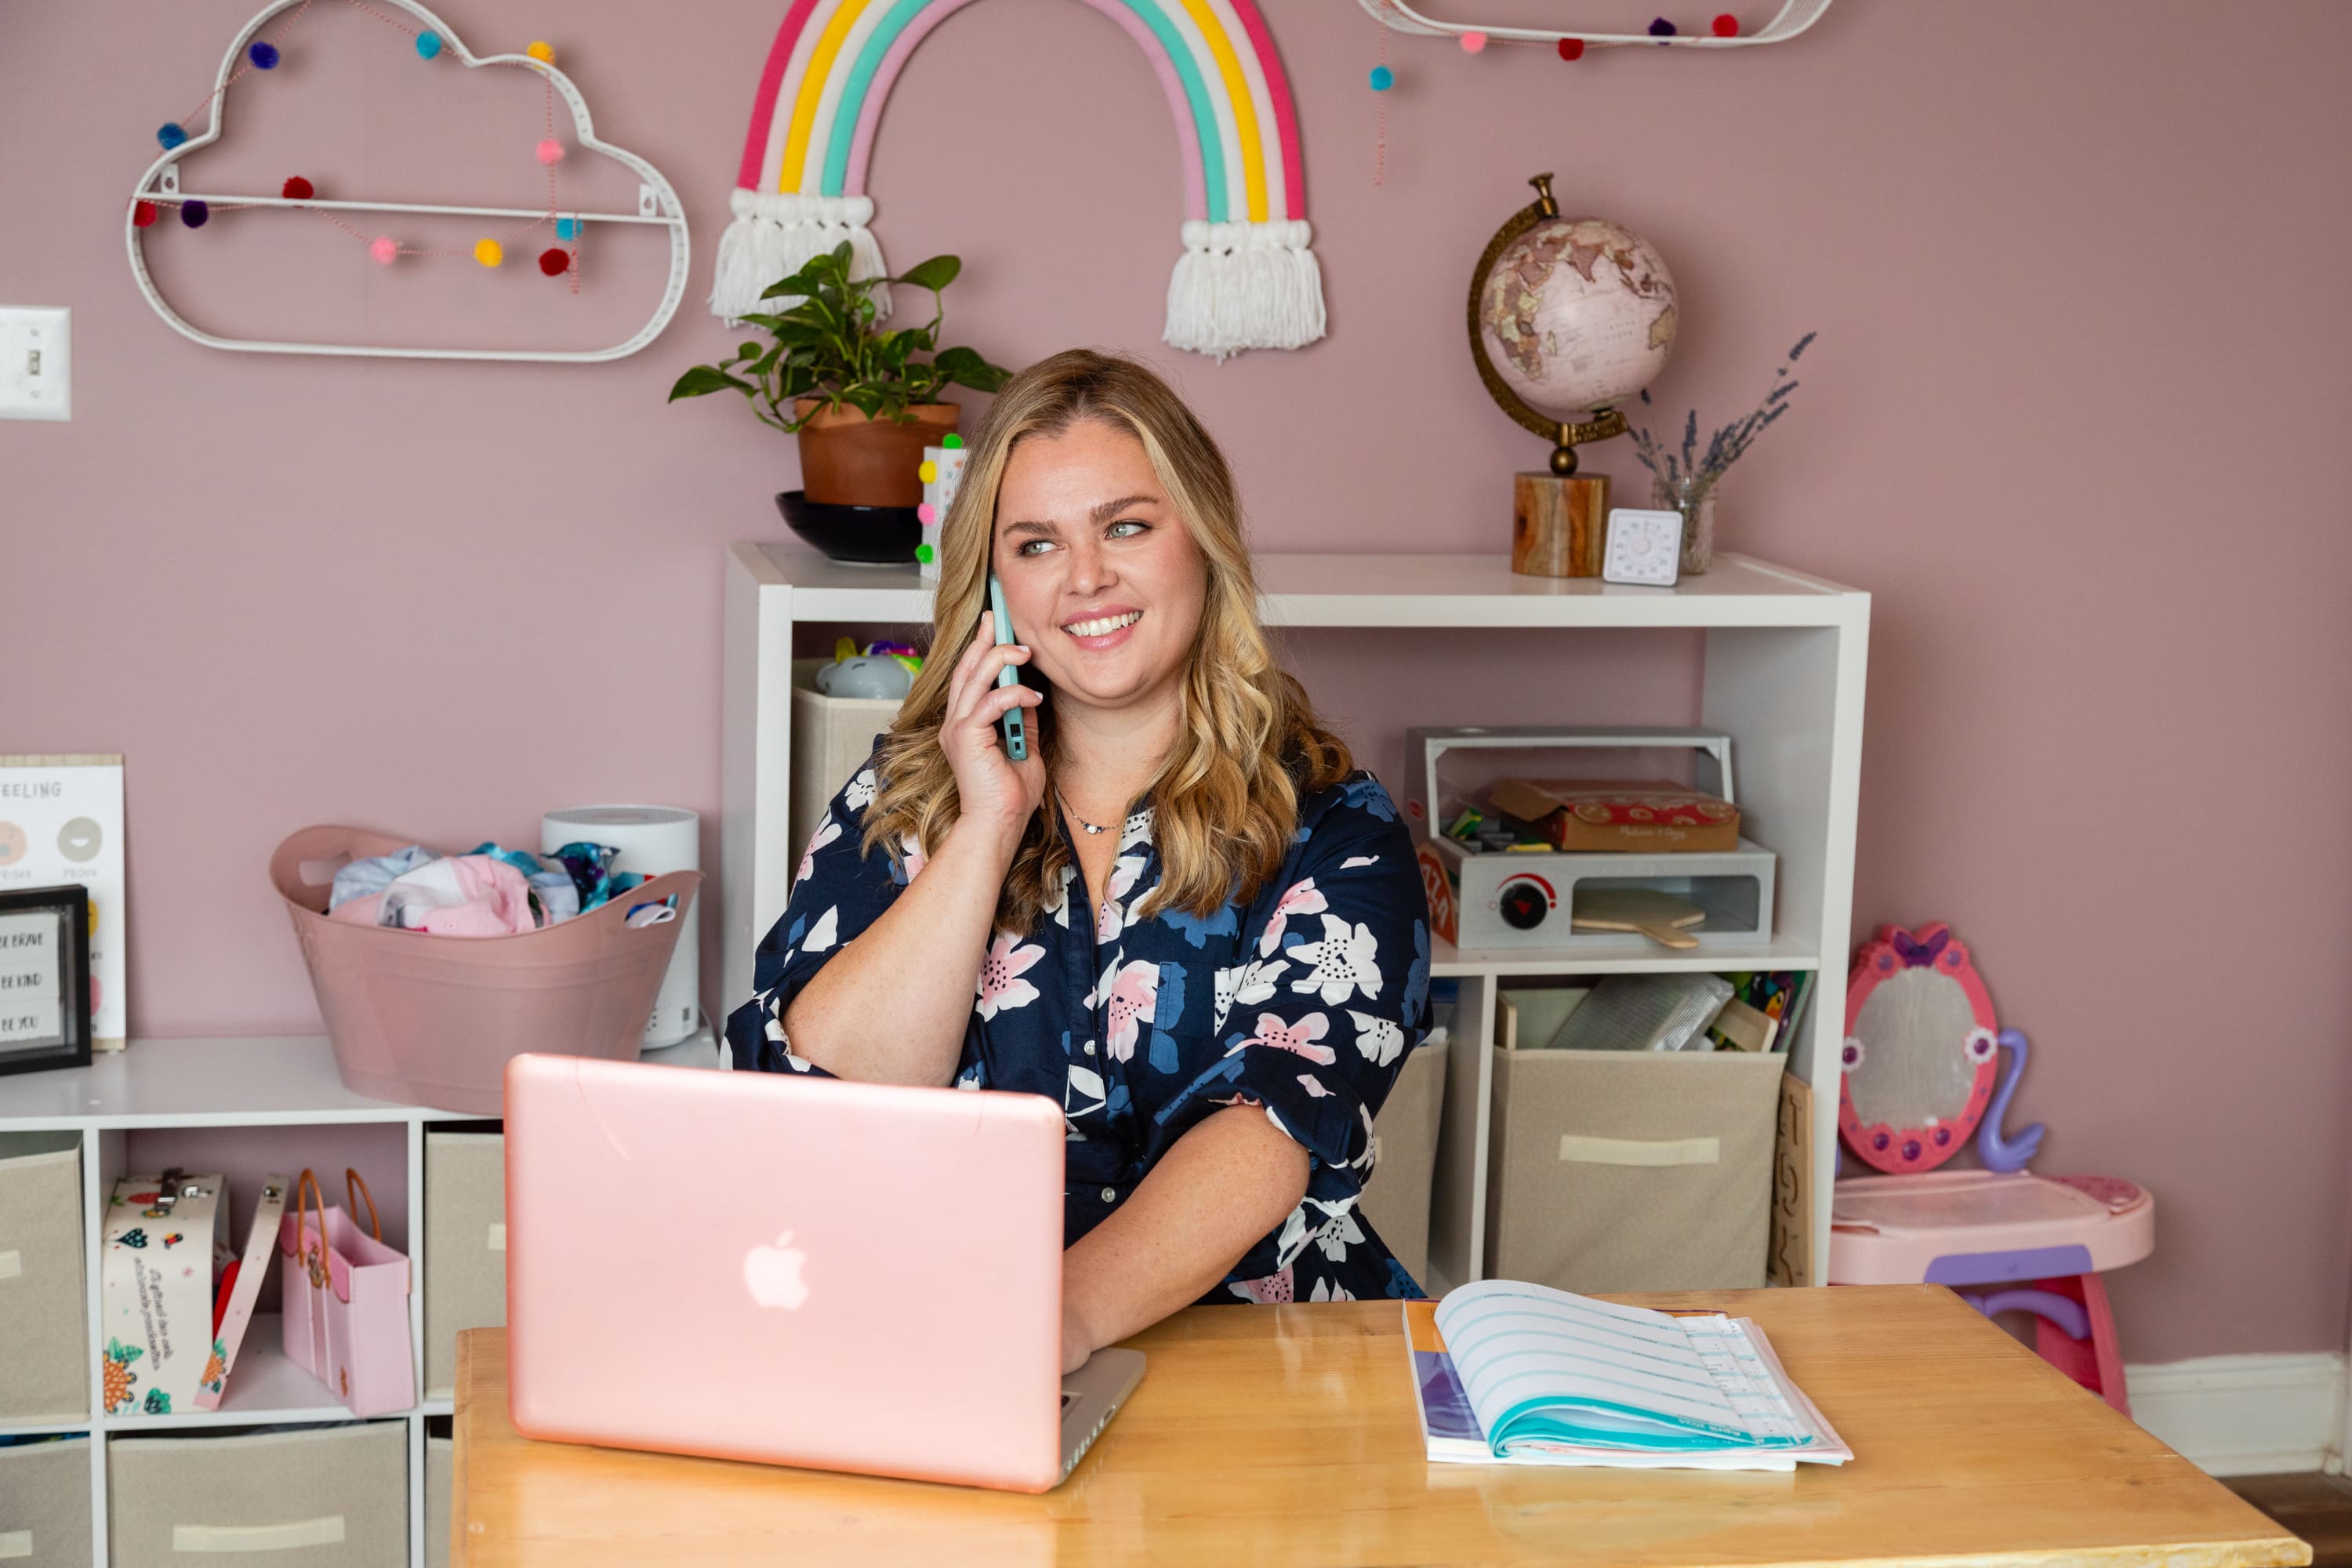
[[1447, 961], [48, 1428]]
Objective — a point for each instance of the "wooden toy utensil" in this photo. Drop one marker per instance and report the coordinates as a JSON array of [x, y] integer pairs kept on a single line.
[[1662, 917]]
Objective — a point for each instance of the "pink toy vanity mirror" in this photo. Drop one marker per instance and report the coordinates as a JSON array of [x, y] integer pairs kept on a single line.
[[1921, 1055]]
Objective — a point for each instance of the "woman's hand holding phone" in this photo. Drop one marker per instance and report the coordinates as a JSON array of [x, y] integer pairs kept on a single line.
[[990, 788]]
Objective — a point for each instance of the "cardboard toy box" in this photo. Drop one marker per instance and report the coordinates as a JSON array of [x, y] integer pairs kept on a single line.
[[1649, 816]]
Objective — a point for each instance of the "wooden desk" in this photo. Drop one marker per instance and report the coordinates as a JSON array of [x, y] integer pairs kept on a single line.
[[1276, 1434]]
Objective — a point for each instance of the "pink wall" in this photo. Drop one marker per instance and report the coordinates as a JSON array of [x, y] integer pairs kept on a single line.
[[2077, 271]]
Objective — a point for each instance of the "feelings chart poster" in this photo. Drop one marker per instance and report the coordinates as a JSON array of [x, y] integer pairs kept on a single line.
[[61, 822]]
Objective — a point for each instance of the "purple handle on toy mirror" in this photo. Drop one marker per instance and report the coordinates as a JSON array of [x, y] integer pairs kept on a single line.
[[2000, 1152]]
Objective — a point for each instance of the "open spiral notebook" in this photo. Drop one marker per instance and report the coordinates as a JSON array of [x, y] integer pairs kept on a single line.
[[1509, 1372]]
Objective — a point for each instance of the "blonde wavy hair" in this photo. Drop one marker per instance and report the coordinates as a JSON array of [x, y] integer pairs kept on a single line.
[[1225, 801]]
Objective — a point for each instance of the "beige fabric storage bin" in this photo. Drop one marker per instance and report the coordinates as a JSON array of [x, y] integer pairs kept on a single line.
[[830, 736], [44, 1302], [440, 1466], [464, 1247], [1631, 1170], [333, 1497], [1396, 1200], [45, 1505]]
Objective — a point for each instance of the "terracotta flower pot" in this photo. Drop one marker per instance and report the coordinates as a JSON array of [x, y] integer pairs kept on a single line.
[[848, 460]]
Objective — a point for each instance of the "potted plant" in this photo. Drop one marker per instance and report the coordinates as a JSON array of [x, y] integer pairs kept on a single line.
[[861, 401]]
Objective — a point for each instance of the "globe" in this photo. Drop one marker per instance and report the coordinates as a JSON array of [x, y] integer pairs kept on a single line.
[[1576, 315]]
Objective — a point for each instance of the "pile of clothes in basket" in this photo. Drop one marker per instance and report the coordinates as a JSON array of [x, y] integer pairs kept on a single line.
[[487, 891]]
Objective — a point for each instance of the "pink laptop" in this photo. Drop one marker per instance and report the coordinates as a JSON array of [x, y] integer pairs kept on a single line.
[[796, 1271]]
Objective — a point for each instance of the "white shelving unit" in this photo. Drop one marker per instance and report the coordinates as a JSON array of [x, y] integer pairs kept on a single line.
[[1782, 671], [261, 1084]]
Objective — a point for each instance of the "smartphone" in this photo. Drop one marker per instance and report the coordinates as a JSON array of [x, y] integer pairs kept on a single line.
[[1009, 727]]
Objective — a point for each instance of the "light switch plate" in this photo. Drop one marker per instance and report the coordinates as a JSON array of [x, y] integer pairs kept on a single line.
[[36, 362], [1644, 547]]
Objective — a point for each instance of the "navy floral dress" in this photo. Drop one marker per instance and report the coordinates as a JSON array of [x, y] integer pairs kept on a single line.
[[1303, 1002]]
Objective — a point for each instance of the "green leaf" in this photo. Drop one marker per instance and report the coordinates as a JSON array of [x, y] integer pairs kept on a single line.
[[704, 378], [966, 368], [935, 274], [747, 351]]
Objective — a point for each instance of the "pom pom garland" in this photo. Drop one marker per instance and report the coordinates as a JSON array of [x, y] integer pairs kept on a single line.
[[541, 52], [428, 44], [1383, 79], [927, 472], [172, 133], [384, 249], [952, 441], [489, 252], [554, 263], [263, 54], [567, 228], [923, 553], [1726, 26], [1662, 28], [194, 213], [551, 150], [927, 512], [1473, 42], [1572, 48], [299, 189], [143, 215]]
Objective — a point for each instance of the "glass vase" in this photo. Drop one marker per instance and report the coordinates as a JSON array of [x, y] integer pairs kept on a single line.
[[1695, 500]]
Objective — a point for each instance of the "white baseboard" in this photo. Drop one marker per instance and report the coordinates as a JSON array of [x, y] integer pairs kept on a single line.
[[2245, 1414]]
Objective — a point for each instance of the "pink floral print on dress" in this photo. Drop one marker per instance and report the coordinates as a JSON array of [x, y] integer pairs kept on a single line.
[[1266, 1292], [1301, 900], [1298, 1038], [1002, 989], [1133, 995]]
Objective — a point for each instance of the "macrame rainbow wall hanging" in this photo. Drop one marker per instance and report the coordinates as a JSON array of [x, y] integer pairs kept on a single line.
[[1245, 279]]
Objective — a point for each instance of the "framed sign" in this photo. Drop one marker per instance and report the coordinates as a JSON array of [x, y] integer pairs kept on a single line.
[[43, 978]]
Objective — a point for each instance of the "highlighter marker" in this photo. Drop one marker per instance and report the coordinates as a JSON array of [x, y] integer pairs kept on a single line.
[[1009, 726]]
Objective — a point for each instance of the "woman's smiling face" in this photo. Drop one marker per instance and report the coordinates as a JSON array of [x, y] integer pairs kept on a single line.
[[1103, 580]]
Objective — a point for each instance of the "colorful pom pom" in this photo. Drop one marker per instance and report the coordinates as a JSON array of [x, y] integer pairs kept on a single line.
[[541, 52], [1383, 79], [172, 133], [927, 512], [428, 44], [383, 248], [194, 213], [1572, 48], [1473, 42], [1662, 28], [952, 441], [927, 472], [923, 553], [298, 189], [489, 252], [567, 228], [1726, 26], [143, 215], [554, 263], [263, 54], [551, 150]]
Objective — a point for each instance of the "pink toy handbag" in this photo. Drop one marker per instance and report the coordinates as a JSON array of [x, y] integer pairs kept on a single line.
[[345, 1300]]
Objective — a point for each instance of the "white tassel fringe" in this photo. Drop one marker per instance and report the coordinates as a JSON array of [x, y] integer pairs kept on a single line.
[[774, 234], [1245, 286]]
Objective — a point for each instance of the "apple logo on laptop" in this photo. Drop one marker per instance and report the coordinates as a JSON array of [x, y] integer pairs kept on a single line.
[[773, 1274]]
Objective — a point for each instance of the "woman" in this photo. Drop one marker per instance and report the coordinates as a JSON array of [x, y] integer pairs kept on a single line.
[[1223, 1027]]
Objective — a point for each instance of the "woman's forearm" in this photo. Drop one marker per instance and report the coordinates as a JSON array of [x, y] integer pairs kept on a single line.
[[1212, 1197], [893, 1006]]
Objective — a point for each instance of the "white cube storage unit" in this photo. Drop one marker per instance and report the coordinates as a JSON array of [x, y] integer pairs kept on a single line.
[[1781, 669]]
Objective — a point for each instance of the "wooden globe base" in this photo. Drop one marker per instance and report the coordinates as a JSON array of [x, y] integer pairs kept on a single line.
[[1559, 524]]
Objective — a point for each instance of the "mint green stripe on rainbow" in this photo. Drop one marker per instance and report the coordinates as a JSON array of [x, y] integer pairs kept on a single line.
[[1529, 1419], [878, 45]]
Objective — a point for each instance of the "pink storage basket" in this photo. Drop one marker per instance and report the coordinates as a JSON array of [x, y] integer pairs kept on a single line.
[[431, 1020]]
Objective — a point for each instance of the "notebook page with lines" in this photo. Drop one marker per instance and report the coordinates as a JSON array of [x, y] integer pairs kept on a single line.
[[1544, 1376]]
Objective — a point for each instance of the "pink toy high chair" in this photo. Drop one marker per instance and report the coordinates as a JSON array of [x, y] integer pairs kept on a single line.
[[1922, 1052]]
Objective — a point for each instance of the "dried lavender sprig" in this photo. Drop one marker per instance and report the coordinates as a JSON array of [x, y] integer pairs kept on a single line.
[[1728, 445]]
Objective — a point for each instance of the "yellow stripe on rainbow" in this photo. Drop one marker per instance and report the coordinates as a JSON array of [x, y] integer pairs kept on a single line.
[[1237, 93], [828, 46]]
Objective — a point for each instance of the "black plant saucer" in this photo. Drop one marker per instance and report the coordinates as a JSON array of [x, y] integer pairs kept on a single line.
[[866, 535]]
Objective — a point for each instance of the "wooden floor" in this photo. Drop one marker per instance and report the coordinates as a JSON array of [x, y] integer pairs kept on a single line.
[[2315, 1507]]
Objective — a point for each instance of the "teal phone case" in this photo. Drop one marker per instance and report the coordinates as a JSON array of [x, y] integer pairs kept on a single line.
[[1009, 727]]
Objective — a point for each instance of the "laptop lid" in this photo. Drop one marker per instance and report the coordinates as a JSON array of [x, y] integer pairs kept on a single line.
[[794, 1270]]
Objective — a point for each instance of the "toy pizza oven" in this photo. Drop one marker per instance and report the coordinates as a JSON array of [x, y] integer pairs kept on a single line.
[[1498, 882]]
